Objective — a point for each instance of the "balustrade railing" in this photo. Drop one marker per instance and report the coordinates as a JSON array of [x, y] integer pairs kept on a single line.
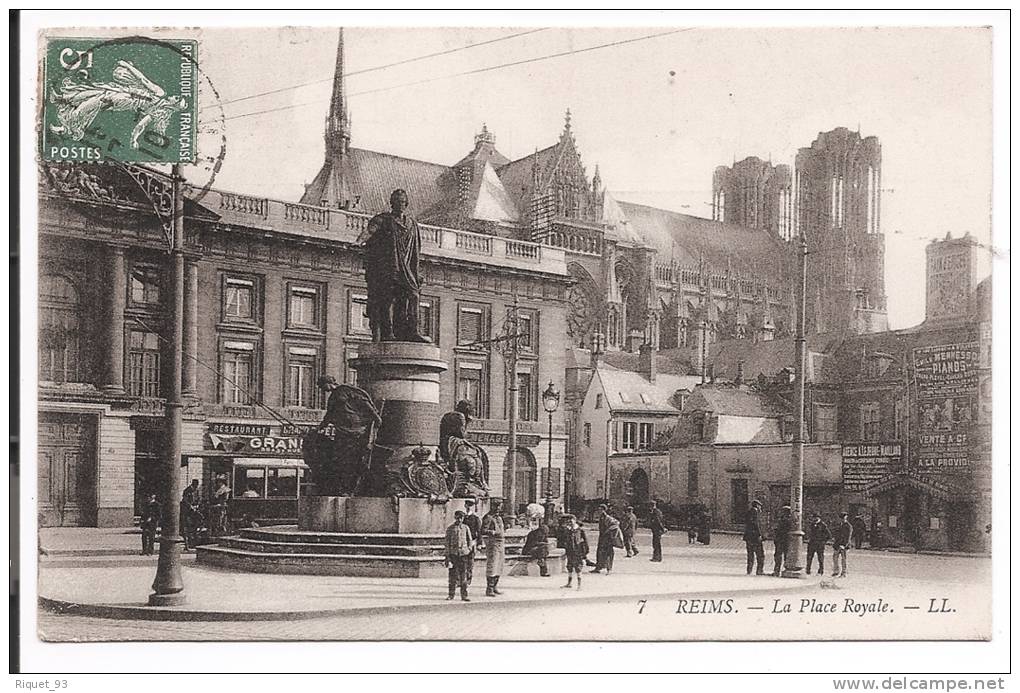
[[243, 204]]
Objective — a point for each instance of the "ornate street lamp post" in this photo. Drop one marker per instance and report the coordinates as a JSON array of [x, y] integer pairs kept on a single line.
[[551, 402]]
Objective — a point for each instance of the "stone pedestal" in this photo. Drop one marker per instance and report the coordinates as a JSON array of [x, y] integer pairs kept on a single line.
[[403, 380], [361, 515]]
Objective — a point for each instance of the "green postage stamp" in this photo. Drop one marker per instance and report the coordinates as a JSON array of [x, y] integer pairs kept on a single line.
[[130, 100]]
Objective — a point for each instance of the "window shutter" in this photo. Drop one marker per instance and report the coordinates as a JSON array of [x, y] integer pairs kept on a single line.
[[470, 328]]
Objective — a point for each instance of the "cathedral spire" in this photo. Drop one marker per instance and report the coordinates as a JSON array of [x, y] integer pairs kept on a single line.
[[566, 126], [338, 134]]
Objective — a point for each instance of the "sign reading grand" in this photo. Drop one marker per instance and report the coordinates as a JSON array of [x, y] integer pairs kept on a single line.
[[128, 100], [946, 380], [865, 463]]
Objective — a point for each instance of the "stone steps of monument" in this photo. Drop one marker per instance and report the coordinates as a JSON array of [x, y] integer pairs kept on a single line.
[[292, 535], [305, 547], [343, 564]]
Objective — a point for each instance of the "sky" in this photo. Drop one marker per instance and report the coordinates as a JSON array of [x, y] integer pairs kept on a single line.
[[656, 114]]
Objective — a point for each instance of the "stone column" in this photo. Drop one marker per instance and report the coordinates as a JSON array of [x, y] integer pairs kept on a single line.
[[189, 367], [117, 298]]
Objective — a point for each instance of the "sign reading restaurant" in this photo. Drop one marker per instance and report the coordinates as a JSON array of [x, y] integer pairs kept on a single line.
[[945, 381]]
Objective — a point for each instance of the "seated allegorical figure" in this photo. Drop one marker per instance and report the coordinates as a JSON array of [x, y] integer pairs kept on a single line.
[[467, 463], [337, 452]]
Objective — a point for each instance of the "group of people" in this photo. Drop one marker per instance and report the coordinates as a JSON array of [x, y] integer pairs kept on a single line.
[[466, 536], [818, 535]]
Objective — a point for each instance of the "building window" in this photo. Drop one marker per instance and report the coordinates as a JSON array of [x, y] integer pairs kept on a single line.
[[350, 374], [825, 423], [472, 325], [239, 299], [428, 318], [357, 314], [304, 306], [629, 435], [869, 421], [143, 364], [898, 419], [599, 401], [471, 377], [646, 435], [527, 327], [144, 285], [237, 368], [692, 478], [302, 370], [587, 435], [698, 424], [59, 336], [526, 409]]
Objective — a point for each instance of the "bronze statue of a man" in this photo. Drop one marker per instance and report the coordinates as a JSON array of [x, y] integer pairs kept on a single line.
[[392, 245]]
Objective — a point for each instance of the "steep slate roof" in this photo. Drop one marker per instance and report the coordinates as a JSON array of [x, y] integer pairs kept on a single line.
[[731, 401], [374, 175], [766, 358], [669, 361], [516, 175], [619, 384], [750, 250]]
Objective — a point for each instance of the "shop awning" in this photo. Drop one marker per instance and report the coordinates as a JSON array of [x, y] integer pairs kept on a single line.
[[269, 461], [938, 488]]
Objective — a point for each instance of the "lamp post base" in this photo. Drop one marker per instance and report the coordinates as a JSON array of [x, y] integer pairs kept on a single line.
[[794, 573], [550, 510], [175, 599]]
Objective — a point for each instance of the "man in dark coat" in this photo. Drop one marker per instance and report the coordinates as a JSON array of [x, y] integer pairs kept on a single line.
[[753, 538], [781, 538], [658, 527], [191, 517], [474, 523], [149, 524], [840, 545], [536, 546], [609, 527], [392, 247], [860, 528], [818, 535], [628, 525]]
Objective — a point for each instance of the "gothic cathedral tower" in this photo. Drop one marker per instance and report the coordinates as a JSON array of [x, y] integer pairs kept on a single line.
[[838, 200]]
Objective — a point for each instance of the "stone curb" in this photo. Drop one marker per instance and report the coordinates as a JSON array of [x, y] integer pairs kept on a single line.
[[146, 613]]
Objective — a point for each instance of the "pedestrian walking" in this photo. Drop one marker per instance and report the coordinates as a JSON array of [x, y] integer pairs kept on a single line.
[[150, 523], [753, 538], [860, 528], [840, 545], [575, 545], [459, 553], [781, 538], [474, 523], [494, 533], [190, 514], [536, 546], [610, 538], [218, 507], [628, 525], [658, 527], [705, 528], [818, 536]]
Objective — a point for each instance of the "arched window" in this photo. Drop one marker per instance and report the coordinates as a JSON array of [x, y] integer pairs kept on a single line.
[[526, 474], [59, 330]]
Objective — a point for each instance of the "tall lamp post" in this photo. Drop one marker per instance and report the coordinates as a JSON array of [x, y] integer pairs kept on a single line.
[[550, 402], [794, 549]]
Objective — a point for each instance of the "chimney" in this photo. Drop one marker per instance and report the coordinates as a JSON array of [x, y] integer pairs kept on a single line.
[[740, 374], [646, 362]]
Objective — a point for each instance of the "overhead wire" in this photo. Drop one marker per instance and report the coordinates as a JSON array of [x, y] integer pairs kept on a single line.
[[474, 71], [377, 67]]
